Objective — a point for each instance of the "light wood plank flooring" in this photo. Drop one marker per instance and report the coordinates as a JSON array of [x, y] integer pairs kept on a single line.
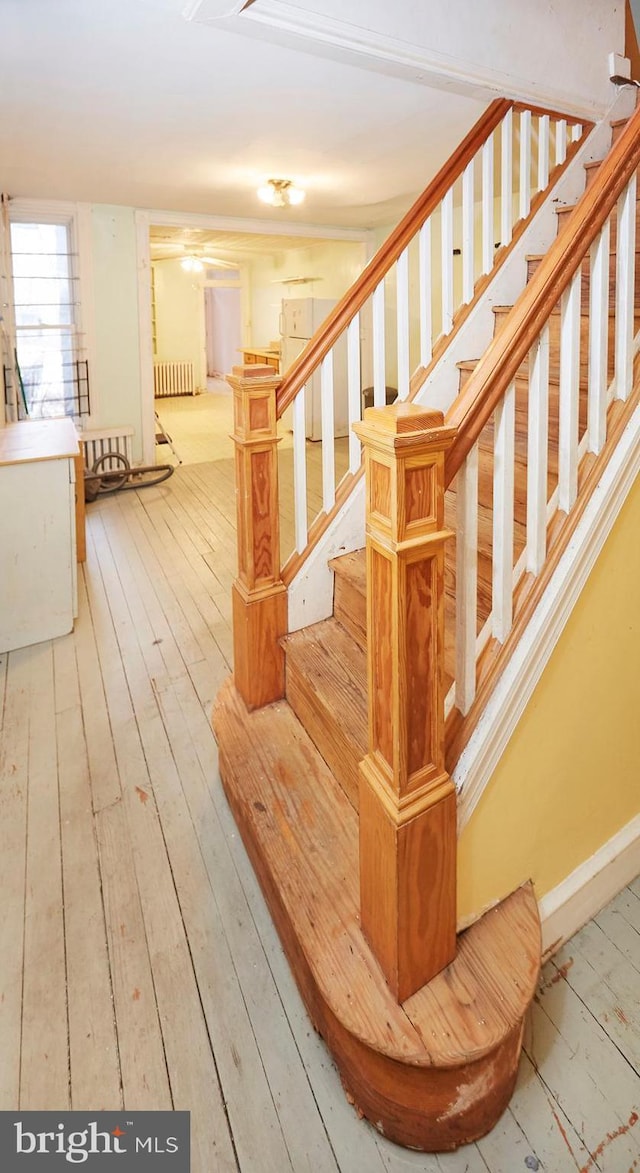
[[138, 965], [200, 428]]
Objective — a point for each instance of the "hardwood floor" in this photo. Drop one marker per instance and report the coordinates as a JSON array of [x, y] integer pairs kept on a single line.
[[200, 427], [138, 964]]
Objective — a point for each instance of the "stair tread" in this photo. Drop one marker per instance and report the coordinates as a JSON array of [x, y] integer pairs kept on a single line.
[[302, 835], [349, 566], [318, 646]]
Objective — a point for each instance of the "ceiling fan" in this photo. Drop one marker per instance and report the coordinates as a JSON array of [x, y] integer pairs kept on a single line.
[[194, 262], [192, 258]]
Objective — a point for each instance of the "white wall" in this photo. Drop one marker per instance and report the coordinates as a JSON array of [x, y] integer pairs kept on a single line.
[[115, 369], [180, 317], [545, 52], [334, 265]]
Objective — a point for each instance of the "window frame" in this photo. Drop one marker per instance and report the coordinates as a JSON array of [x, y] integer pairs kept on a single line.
[[76, 218]]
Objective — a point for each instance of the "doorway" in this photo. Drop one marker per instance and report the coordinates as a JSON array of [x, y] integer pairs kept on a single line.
[[223, 328], [198, 326], [238, 274]]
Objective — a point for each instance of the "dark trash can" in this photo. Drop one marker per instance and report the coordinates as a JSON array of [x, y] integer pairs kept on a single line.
[[391, 394]]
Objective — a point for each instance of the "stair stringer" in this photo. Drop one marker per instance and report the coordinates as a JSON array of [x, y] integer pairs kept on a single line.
[[310, 592], [515, 686]]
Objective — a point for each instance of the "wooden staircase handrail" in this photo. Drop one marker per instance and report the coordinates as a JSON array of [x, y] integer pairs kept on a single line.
[[495, 371], [387, 255]]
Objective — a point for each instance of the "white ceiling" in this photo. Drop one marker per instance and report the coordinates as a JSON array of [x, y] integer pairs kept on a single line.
[[128, 102]]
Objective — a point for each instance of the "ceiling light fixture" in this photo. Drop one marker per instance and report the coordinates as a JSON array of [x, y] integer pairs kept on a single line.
[[192, 264], [280, 193]]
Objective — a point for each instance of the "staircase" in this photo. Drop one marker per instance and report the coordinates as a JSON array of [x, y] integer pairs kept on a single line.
[[337, 827]]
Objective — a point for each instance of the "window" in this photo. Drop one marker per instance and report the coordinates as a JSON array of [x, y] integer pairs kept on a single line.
[[50, 370]]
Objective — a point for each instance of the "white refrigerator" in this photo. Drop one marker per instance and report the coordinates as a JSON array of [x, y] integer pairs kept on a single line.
[[299, 320]]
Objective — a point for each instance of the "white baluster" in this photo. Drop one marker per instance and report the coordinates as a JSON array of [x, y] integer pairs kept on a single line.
[[354, 390], [379, 371], [446, 212], [503, 505], [569, 395], [424, 265], [544, 126], [488, 231], [525, 163], [576, 132], [561, 141], [468, 243], [625, 282], [466, 581], [506, 183], [537, 452], [300, 470], [328, 431], [598, 338], [402, 318]]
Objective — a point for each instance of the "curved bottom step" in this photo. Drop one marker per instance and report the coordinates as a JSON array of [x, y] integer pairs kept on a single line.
[[437, 1071]]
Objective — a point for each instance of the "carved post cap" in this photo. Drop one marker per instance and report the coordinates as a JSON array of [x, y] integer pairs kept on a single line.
[[253, 371], [254, 402], [405, 425], [403, 417]]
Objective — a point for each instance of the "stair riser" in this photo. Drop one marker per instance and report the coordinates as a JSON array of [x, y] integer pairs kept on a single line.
[[591, 172], [350, 609], [500, 314], [585, 291], [383, 1095], [522, 384], [341, 756], [564, 213]]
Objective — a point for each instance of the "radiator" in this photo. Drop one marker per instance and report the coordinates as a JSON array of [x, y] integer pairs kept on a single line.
[[99, 441], [173, 378]]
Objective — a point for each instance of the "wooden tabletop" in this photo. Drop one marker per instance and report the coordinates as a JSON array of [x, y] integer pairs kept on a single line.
[[38, 440]]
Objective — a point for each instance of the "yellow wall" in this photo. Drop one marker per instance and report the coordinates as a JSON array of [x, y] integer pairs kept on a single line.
[[569, 778]]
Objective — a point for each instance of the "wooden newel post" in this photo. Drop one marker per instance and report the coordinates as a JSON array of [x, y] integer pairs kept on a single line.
[[259, 595], [407, 800]]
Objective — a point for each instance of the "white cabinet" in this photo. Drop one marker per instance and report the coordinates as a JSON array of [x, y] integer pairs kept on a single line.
[[38, 583]]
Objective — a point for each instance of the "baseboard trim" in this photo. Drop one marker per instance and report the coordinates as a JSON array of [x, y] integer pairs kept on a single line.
[[584, 892]]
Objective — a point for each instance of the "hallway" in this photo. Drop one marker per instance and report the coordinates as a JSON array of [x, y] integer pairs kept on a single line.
[[138, 964]]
